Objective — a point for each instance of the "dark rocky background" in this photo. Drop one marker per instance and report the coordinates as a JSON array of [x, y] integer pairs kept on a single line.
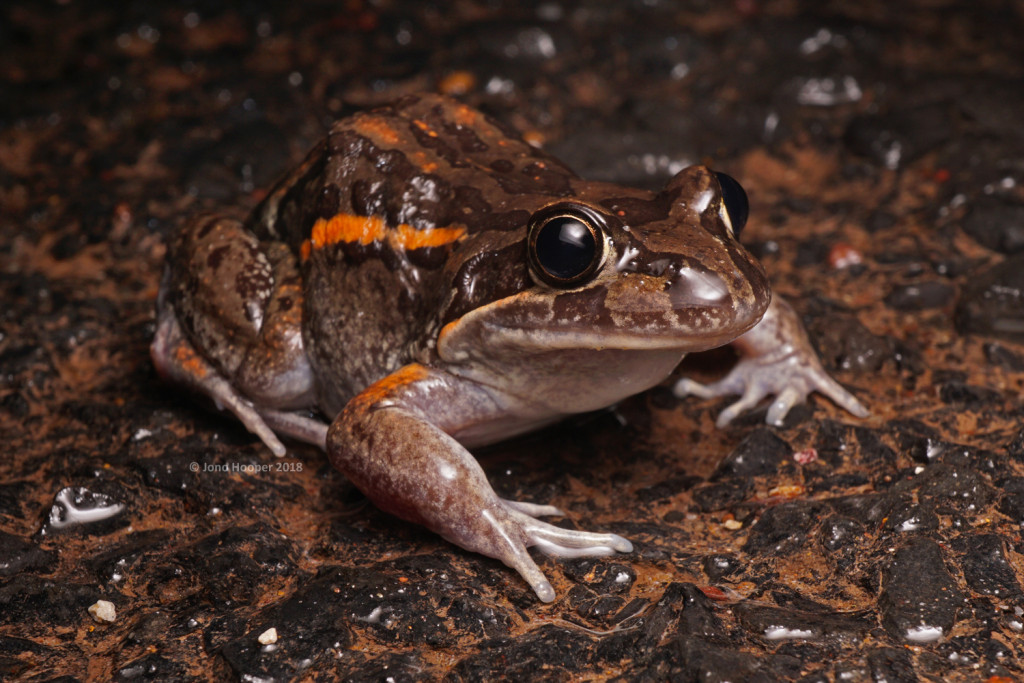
[[882, 147]]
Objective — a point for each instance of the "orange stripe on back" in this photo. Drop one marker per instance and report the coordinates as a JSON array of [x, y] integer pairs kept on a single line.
[[376, 128], [346, 227]]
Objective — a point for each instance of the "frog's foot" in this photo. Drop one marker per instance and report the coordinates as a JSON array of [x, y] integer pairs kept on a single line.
[[513, 529], [177, 360], [790, 379], [776, 357]]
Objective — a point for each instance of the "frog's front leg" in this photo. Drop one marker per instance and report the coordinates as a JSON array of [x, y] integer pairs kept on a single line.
[[395, 442], [776, 357]]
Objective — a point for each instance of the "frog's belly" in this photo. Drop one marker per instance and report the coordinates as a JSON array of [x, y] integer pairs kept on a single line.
[[501, 429], [544, 388]]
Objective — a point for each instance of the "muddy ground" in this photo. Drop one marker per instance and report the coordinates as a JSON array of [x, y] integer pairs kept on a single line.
[[882, 147]]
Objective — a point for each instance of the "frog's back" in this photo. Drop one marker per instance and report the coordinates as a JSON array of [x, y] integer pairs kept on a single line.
[[404, 218], [422, 164]]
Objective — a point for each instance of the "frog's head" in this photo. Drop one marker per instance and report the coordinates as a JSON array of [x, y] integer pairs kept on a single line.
[[614, 268]]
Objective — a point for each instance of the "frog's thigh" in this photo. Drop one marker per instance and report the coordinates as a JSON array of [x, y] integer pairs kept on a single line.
[[239, 301], [392, 442], [229, 326]]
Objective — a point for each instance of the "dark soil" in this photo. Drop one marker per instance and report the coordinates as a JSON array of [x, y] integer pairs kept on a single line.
[[882, 147]]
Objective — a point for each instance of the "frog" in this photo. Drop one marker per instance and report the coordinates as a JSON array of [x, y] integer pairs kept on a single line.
[[425, 283]]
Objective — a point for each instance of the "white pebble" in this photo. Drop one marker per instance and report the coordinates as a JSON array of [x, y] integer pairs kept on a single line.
[[103, 611]]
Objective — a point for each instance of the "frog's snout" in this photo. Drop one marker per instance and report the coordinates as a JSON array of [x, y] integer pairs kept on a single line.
[[725, 299], [691, 287]]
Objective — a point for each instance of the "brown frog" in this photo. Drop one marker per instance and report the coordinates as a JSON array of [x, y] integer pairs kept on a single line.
[[425, 283]]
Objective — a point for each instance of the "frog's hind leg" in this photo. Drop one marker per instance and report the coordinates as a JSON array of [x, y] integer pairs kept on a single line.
[[229, 326], [176, 360]]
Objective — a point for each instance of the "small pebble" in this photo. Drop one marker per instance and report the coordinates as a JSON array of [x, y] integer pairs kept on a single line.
[[268, 637], [806, 456], [843, 255], [103, 611]]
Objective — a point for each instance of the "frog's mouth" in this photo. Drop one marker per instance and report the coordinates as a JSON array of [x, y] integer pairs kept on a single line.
[[550, 339], [691, 310], [685, 309], [573, 322]]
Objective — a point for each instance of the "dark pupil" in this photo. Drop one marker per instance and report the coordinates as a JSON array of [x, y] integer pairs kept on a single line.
[[735, 198], [565, 247]]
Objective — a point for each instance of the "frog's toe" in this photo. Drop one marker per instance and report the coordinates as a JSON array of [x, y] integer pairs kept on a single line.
[[613, 544], [225, 396], [532, 509], [532, 574], [299, 427], [560, 542]]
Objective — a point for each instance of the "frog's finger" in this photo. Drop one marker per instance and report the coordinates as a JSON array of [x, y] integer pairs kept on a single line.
[[571, 543], [783, 403], [532, 509], [688, 387], [840, 396], [748, 400], [561, 551], [730, 384], [519, 559]]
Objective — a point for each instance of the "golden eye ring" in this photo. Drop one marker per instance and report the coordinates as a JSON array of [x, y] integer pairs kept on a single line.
[[566, 243]]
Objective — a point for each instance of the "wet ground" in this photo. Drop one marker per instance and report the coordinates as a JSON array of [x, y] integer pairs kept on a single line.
[[882, 149]]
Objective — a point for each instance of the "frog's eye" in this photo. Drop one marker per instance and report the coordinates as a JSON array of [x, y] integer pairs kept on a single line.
[[734, 197], [566, 243]]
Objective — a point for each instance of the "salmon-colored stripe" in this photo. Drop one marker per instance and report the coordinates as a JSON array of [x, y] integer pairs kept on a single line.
[[364, 230]]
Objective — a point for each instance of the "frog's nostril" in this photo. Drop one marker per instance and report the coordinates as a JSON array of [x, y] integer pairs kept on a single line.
[[696, 287]]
